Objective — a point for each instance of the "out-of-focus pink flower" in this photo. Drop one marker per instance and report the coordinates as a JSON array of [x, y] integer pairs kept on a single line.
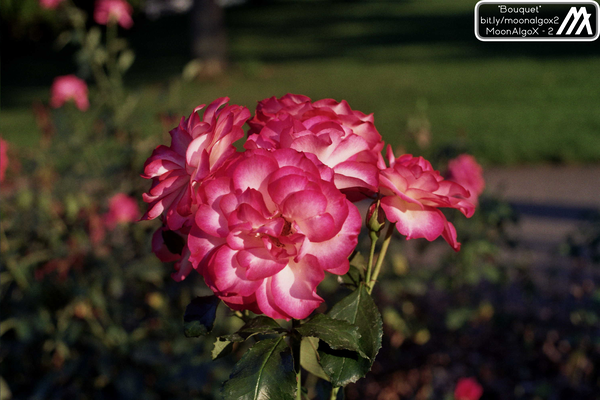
[[50, 4], [339, 137], [268, 227], [198, 148], [465, 171], [467, 389], [117, 10], [412, 193], [69, 87], [121, 209], [3, 158]]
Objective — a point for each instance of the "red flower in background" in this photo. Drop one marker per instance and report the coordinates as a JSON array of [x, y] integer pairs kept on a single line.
[[50, 4], [465, 171], [467, 389], [3, 158], [121, 209], [117, 10], [69, 87]]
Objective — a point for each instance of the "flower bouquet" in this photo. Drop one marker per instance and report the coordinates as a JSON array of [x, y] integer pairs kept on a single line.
[[263, 226]]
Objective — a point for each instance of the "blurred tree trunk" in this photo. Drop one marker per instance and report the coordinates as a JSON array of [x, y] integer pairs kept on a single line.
[[209, 39]]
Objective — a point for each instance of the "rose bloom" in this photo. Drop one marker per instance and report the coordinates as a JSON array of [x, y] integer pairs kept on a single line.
[[301, 108], [50, 4], [198, 148], [269, 225], [117, 10], [121, 209], [467, 389], [69, 87], [3, 158], [339, 137], [465, 171], [412, 193]]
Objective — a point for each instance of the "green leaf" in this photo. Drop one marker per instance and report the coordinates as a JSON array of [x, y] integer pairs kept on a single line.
[[353, 277], [221, 348], [337, 333], [309, 358], [259, 325], [199, 316], [359, 262], [343, 366], [265, 372]]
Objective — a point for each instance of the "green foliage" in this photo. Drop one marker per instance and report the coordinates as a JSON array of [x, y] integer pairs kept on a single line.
[[199, 317], [222, 348], [337, 333], [265, 372], [309, 358], [343, 366], [259, 325]]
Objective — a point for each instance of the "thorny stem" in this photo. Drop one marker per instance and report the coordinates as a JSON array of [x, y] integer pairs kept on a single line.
[[384, 248]]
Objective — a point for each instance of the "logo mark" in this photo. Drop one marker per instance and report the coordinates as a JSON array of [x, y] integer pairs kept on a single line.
[[537, 20], [585, 23]]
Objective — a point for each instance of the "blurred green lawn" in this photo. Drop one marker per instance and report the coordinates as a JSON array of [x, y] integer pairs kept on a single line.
[[507, 103]]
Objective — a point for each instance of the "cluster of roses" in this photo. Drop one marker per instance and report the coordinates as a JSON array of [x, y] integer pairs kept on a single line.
[[263, 225]]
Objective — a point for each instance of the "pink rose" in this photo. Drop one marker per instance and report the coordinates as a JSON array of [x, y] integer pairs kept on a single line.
[[467, 389], [301, 108], [117, 10], [198, 148], [50, 4], [3, 158], [465, 171], [269, 225], [121, 209], [69, 87], [339, 137], [412, 193]]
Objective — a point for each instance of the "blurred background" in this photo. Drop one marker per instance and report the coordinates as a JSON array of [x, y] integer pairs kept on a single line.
[[87, 311]]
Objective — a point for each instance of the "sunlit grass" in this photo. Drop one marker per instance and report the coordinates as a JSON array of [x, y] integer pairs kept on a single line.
[[506, 103]]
